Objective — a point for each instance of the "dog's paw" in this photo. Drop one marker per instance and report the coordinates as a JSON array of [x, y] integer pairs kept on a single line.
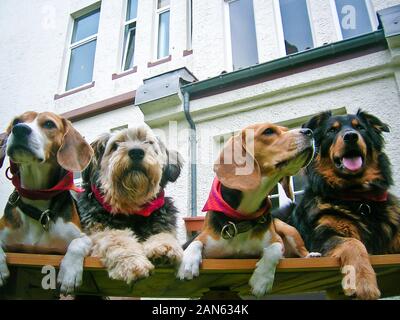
[[164, 253], [189, 267], [4, 272], [313, 255], [261, 284], [70, 276], [365, 288], [131, 268]]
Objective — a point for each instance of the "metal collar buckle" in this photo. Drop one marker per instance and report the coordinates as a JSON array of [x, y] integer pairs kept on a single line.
[[364, 209], [13, 199], [229, 231], [45, 219]]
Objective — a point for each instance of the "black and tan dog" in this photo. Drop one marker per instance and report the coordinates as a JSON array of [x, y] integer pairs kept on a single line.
[[238, 223], [41, 216], [347, 211], [123, 208]]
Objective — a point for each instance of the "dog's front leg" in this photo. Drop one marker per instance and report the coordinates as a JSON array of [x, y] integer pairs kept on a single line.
[[263, 276], [122, 254], [71, 268], [192, 257], [4, 272], [161, 246]]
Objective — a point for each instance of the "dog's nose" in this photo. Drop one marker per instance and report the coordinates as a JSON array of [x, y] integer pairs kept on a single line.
[[307, 132], [136, 154], [21, 130], [350, 137]]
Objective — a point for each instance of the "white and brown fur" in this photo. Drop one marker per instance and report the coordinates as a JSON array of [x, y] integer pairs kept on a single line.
[[277, 153], [45, 145], [128, 244]]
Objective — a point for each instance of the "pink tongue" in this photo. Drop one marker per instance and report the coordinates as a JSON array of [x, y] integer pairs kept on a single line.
[[352, 164]]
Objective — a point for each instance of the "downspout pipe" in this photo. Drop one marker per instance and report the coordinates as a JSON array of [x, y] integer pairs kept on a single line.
[[193, 154]]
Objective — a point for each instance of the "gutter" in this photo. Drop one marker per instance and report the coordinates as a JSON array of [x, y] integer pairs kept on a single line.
[[287, 62], [193, 155]]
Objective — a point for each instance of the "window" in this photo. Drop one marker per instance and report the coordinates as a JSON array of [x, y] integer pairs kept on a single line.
[[130, 35], [355, 17], [189, 22], [162, 16], [82, 50], [243, 33], [296, 25], [278, 196]]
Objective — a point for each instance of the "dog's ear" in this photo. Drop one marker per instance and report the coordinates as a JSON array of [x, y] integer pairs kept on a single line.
[[286, 183], [98, 146], [317, 120], [236, 167], [75, 153], [373, 121], [174, 166], [3, 147]]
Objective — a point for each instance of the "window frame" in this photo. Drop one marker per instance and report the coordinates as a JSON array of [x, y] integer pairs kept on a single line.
[[279, 26], [371, 14], [189, 25], [77, 44], [160, 11], [228, 36], [127, 39]]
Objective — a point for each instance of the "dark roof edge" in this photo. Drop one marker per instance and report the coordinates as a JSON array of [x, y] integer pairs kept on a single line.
[[294, 60]]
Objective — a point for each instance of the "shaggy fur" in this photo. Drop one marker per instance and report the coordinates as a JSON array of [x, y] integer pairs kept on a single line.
[[332, 223], [126, 242]]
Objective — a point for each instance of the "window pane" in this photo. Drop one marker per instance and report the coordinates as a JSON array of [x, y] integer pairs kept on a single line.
[[353, 17], [162, 3], [298, 182], [296, 25], [132, 9], [243, 34], [86, 26], [81, 65], [130, 36], [275, 203], [163, 35]]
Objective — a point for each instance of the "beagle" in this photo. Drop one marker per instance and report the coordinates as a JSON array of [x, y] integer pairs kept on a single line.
[[40, 215], [238, 222]]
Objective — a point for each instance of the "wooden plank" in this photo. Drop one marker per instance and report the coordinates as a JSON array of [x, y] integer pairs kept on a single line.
[[293, 264]]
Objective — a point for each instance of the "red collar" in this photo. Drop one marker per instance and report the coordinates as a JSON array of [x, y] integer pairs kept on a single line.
[[216, 203], [65, 184], [146, 210], [373, 196]]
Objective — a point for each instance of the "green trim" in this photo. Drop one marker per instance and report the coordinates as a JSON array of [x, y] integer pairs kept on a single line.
[[289, 61]]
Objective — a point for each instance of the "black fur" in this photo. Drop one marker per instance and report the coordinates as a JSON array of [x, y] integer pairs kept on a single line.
[[377, 229]]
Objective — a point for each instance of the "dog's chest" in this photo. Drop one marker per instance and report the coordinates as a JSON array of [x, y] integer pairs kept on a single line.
[[31, 237], [243, 245]]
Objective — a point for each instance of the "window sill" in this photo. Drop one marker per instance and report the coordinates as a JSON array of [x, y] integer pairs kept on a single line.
[[115, 76], [187, 52], [72, 91], [156, 63]]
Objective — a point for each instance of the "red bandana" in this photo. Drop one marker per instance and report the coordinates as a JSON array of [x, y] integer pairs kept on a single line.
[[364, 196], [216, 203], [146, 210], [65, 184]]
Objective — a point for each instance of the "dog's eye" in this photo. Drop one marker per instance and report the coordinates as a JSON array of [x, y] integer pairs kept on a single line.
[[49, 125], [268, 132], [333, 130], [114, 146], [15, 122], [359, 127], [149, 142]]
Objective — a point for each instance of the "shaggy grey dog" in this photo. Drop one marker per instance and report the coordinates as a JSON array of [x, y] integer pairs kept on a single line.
[[123, 208]]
